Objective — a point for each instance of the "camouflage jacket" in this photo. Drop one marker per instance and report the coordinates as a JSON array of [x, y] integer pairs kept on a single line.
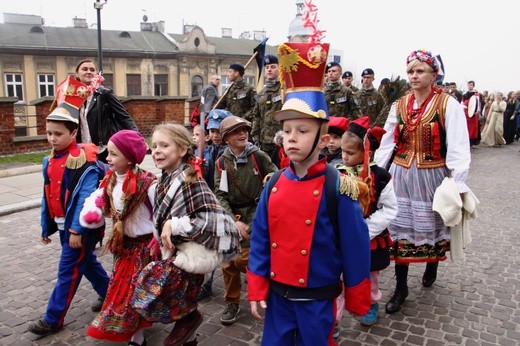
[[268, 101], [371, 103], [340, 101], [239, 100], [244, 178]]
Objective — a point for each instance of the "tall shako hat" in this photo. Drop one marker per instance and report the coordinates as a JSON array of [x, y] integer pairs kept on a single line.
[[302, 66], [70, 94]]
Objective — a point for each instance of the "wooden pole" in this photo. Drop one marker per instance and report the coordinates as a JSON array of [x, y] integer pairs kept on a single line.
[[225, 92]]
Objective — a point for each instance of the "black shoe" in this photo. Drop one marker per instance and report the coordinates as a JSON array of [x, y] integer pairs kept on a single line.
[[430, 274], [204, 293], [397, 300], [97, 305], [41, 327], [132, 343]]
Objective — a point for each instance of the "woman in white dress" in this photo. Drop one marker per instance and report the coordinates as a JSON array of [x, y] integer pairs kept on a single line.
[[493, 131]]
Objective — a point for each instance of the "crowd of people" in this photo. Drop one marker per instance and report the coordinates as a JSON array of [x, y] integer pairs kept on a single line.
[[365, 166]]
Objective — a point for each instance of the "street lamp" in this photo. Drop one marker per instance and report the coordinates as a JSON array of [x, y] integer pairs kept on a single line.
[[98, 5]]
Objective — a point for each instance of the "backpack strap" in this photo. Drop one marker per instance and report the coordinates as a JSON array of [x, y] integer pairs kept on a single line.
[[255, 163], [332, 195], [260, 172], [272, 179], [219, 165]]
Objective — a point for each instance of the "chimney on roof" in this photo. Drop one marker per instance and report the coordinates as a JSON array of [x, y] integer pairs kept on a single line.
[[79, 22], [259, 35], [246, 35], [226, 32], [160, 26], [16, 18], [145, 26]]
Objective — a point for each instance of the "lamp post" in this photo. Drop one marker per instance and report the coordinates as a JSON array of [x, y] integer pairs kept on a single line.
[[98, 5]]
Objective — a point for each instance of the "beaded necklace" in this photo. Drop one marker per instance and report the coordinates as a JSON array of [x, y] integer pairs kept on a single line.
[[415, 115]]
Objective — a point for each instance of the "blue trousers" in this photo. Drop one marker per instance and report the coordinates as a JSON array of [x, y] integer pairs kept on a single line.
[[74, 263], [302, 323]]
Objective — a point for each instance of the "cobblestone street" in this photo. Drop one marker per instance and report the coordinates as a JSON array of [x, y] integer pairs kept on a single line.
[[473, 302]]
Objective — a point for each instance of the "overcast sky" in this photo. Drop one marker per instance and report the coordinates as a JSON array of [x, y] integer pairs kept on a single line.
[[476, 39]]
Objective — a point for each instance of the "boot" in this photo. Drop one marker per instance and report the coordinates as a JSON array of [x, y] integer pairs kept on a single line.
[[401, 289], [430, 274]]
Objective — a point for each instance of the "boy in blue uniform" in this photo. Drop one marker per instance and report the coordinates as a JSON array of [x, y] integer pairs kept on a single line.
[[70, 176], [300, 248]]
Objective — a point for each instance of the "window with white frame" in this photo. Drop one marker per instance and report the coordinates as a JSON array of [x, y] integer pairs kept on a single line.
[[14, 85], [224, 83], [46, 85], [250, 80]]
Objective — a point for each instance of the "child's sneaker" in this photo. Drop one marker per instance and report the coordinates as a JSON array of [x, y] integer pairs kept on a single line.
[[41, 327], [336, 331], [229, 315], [371, 317]]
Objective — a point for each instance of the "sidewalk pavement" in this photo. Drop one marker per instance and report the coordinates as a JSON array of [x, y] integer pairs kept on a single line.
[[21, 188]]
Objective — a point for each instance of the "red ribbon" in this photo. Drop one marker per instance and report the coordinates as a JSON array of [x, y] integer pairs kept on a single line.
[[197, 165], [130, 183]]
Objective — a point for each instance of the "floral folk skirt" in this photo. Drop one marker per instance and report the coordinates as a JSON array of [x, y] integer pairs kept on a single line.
[[166, 293], [118, 320]]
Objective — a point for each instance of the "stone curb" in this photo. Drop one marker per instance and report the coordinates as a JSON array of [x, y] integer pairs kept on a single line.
[[4, 173], [21, 206]]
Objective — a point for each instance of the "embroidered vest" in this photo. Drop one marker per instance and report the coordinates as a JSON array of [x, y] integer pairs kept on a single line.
[[427, 143]]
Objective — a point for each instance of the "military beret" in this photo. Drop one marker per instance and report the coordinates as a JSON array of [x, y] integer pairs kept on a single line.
[[331, 64], [347, 74], [237, 67], [270, 59], [385, 81], [366, 72]]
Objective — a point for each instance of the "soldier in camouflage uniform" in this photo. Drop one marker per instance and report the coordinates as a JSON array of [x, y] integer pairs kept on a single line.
[[340, 100], [347, 81], [268, 101], [239, 99], [370, 100]]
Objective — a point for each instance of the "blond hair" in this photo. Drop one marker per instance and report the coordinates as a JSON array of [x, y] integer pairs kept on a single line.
[[181, 137]]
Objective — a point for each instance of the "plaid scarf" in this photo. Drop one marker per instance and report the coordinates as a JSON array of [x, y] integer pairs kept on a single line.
[[211, 226]]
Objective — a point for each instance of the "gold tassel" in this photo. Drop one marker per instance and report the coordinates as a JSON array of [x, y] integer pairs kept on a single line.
[[349, 186], [75, 162]]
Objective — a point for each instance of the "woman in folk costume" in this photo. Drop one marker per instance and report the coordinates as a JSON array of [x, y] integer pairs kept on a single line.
[[194, 229], [428, 132], [126, 194]]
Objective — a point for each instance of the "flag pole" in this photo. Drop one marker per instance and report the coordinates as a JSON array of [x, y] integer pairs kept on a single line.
[[225, 92]]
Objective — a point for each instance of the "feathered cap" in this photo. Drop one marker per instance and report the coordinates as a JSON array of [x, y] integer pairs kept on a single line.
[[302, 67], [72, 95]]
